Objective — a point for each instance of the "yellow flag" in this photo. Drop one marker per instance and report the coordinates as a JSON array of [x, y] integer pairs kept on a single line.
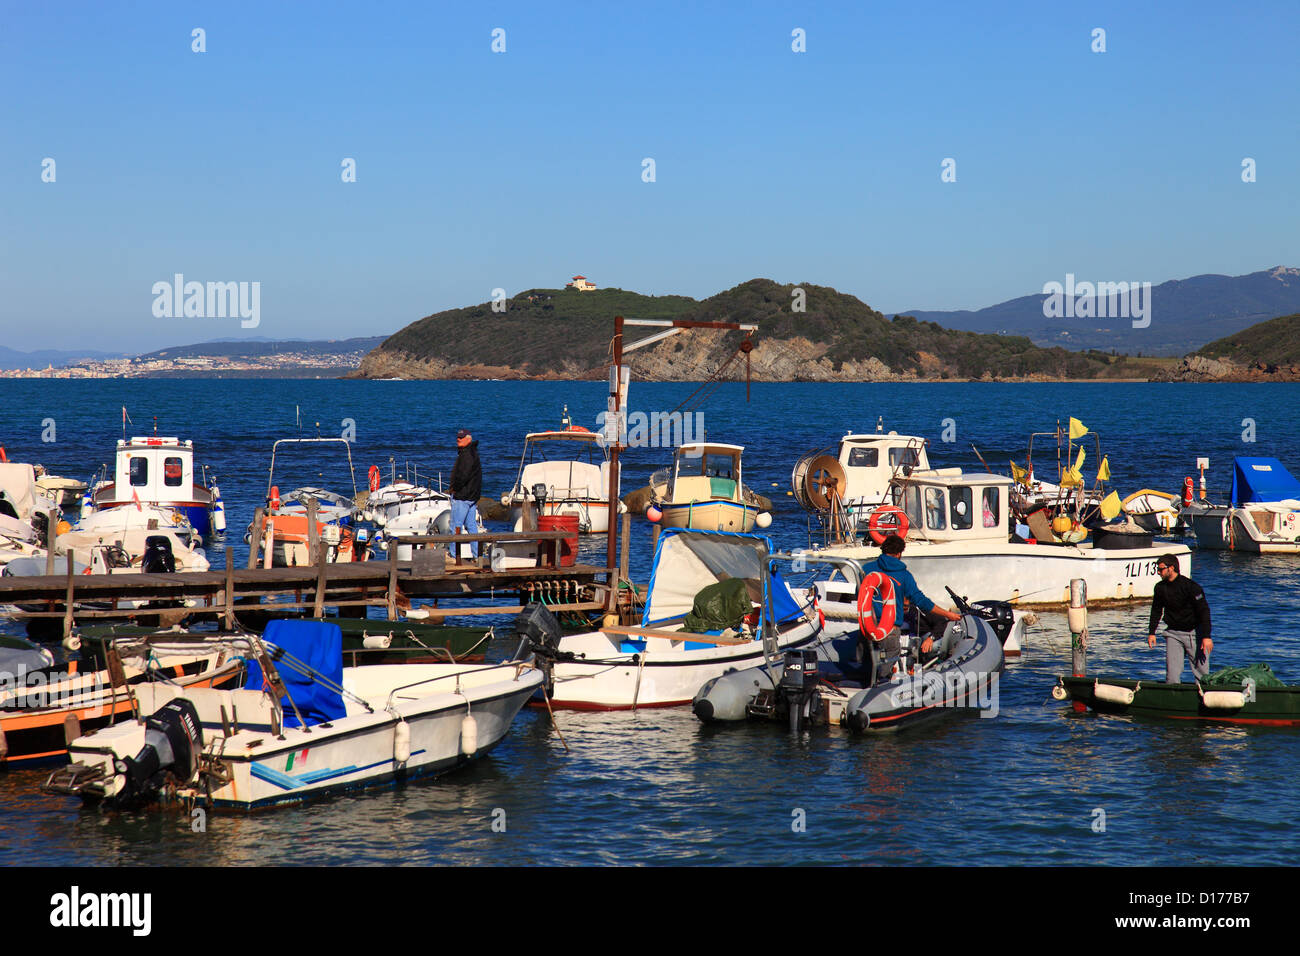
[[1074, 474], [1077, 429], [1110, 505], [1103, 473], [1018, 473], [1078, 461]]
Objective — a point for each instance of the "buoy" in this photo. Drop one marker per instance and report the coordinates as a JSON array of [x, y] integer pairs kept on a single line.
[[402, 742], [1224, 699], [218, 511], [763, 520], [1059, 692], [653, 514], [1113, 694], [72, 643], [62, 527], [468, 735], [609, 620], [380, 642]]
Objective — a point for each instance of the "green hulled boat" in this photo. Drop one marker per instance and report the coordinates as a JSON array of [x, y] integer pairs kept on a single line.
[[1242, 695]]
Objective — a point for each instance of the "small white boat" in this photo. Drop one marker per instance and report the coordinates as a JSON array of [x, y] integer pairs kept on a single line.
[[150, 470], [1262, 515], [1155, 511], [659, 663], [405, 507], [130, 531], [703, 491], [569, 466], [339, 728], [26, 511]]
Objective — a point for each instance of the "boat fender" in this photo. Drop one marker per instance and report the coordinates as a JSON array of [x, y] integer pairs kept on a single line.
[[897, 523], [468, 735], [1223, 699], [1060, 693], [1187, 491], [72, 643], [1113, 694], [763, 520], [402, 742], [377, 642], [867, 592], [1077, 617]]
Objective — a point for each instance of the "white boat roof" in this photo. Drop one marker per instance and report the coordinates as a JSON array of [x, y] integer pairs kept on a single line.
[[695, 448], [154, 441], [564, 434], [883, 436], [953, 476]]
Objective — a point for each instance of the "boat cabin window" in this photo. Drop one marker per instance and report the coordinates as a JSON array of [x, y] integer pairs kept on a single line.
[[934, 509], [903, 456], [912, 506], [864, 457], [139, 471], [172, 472], [992, 514], [963, 510], [708, 465]]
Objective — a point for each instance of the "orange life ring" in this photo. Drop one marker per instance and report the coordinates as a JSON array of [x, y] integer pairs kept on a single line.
[[898, 525], [274, 499], [1187, 491], [877, 584], [374, 477]]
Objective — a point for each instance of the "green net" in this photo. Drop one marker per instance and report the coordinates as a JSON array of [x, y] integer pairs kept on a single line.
[[1233, 677], [718, 607]]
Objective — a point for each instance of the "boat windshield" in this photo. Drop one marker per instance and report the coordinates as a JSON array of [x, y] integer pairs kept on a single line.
[[710, 465]]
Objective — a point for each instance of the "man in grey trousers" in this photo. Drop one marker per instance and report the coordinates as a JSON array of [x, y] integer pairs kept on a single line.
[[1187, 621]]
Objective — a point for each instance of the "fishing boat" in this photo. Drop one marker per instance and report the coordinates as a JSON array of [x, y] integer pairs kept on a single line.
[[404, 507], [827, 685], [284, 531], [566, 470], [677, 647], [156, 471], [133, 537], [42, 709], [304, 726], [854, 479], [703, 491], [1220, 701], [1262, 515]]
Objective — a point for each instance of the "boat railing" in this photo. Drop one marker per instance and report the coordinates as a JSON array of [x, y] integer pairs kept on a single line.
[[517, 666]]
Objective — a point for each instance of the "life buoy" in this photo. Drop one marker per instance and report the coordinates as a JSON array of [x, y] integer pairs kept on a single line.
[[274, 499], [873, 585], [897, 525], [1187, 490], [374, 477]]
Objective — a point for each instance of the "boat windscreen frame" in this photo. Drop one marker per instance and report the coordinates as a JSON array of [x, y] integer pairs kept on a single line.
[[270, 478]]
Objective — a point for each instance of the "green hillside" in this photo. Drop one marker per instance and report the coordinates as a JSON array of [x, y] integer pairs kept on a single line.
[[1274, 342]]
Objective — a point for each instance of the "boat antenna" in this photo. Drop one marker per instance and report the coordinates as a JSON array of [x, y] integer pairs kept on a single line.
[[880, 424]]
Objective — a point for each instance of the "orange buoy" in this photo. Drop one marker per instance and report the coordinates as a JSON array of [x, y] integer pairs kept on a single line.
[[897, 523]]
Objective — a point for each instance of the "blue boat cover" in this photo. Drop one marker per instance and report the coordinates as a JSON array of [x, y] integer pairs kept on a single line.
[[317, 644], [1261, 479], [784, 606]]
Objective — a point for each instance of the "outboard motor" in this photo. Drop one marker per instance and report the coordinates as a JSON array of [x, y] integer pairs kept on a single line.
[[158, 557], [537, 625], [173, 740], [999, 616], [798, 686], [539, 493]]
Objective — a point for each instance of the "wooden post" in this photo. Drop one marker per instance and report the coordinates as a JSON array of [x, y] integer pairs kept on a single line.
[[268, 544], [313, 533], [51, 533], [230, 588], [318, 611], [624, 545], [67, 608], [1078, 619], [255, 538], [392, 579]]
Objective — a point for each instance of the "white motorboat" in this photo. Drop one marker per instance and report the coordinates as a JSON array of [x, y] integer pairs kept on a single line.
[[26, 512], [567, 471], [132, 531], [703, 491], [1155, 511], [1262, 514], [150, 470], [661, 663], [851, 483], [336, 728], [405, 507]]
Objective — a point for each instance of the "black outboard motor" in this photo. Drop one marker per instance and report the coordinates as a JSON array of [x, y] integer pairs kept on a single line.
[[173, 740], [537, 625], [798, 687], [158, 557], [999, 616], [539, 493]]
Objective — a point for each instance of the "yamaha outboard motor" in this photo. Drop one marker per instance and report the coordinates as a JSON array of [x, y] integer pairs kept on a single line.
[[158, 557], [999, 616], [173, 740], [537, 625], [799, 681], [539, 493]]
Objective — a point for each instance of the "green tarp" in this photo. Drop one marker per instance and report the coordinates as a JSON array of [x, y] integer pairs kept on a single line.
[[718, 607], [1233, 677]]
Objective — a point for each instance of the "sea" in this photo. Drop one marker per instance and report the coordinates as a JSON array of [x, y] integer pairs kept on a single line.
[[1033, 784]]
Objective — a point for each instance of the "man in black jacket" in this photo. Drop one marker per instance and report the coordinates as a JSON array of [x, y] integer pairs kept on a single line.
[[1183, 604], [466, 487]]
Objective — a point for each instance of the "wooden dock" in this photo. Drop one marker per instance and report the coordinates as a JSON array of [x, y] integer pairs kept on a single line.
[[390, 584]]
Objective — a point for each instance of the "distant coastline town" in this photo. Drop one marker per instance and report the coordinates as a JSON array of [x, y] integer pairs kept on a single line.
[[205, 365]]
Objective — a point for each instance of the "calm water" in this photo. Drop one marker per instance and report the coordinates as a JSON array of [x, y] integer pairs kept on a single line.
[[657, 786]]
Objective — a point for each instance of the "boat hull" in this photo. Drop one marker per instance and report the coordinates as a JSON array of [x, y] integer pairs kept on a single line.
[[1233, 529], [710, 516], [592, 515], [1272, 707]]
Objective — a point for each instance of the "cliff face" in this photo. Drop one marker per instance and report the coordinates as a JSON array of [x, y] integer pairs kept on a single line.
[[1198, 368]]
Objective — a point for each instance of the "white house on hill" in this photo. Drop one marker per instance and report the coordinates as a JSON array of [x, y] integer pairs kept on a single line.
[[581, 283]]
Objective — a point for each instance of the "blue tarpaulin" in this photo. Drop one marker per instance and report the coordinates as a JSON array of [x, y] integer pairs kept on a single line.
[[317, 644], [1261, 479]]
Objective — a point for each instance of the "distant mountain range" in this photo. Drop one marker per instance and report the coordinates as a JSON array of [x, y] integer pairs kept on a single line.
[[1185, 314]]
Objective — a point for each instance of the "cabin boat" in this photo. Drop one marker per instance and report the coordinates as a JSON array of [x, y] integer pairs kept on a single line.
[[337, 728], [570, 467], [957, 534], [854, 481], [1262, 516], [703, 491], [404, 507], [660, 663], [160, 472]]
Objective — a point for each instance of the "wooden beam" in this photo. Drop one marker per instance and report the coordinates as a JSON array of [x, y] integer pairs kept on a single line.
[[255, 537], [318, 610], [230, 588], [674, 635], [392, 580], [67, 606]]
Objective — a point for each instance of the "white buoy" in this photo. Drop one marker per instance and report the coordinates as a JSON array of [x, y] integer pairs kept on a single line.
[[218, 511], [1224, 699], [402, 742], [763, 520], [72, 642], [469, 735], [1113, 694], [380, 642]]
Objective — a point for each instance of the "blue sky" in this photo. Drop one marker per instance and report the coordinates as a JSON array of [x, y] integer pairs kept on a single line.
[[478, 170]]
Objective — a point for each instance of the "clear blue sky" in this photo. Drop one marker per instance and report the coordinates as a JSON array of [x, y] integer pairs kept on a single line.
[[477, 170]]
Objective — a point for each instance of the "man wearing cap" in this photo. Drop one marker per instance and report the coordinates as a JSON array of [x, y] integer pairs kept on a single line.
[[466, 487], [1181, 602]]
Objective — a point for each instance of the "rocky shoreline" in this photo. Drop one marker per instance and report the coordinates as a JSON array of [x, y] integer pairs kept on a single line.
[[1199, 368]]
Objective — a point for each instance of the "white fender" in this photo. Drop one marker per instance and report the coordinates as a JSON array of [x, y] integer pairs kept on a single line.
[[469, 735], [1113, 694], [402, 742]]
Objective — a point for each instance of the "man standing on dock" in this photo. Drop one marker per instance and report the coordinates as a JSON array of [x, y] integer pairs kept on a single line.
[[466, 487], [1185, 610]]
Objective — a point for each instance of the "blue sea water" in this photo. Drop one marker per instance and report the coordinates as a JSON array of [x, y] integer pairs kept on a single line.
[[655, 787]]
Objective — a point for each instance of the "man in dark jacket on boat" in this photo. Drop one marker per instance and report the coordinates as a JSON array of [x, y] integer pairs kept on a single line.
[[466, 487], [890, 563], [1187, 615]]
